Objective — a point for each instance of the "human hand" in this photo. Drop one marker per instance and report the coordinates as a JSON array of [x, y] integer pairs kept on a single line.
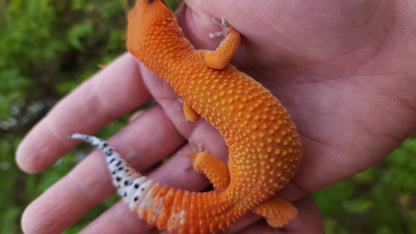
[[346, 77]]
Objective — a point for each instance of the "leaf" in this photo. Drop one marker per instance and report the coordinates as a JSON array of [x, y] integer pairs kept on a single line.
[[77, 32], [359, 205]]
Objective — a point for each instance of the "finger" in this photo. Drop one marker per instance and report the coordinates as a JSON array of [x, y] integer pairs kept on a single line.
[[119, 219], [89, 182], [307, 221], [109, 94]]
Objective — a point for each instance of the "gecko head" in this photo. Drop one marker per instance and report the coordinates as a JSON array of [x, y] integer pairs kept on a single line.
[[146, 17], [148, 7]]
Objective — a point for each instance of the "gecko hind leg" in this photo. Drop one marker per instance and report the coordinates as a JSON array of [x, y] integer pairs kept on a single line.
[[278, 212], [212, 167]]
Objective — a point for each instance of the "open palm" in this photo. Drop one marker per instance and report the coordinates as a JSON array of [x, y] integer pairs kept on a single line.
[[345, 70]]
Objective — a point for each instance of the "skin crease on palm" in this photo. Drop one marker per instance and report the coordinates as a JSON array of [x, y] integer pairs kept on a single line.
[[345, 70]]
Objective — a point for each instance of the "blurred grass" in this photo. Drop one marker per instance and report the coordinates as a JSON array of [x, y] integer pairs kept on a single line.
[[49, 47]]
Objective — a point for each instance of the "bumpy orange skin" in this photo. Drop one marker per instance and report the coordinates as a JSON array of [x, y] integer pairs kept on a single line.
[[264, 146]]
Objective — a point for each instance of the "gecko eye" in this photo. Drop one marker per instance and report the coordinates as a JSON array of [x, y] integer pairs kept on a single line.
[[150, 1]]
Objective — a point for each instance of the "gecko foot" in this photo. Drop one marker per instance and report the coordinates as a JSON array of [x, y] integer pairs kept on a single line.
[[223, 24], [196, 149]]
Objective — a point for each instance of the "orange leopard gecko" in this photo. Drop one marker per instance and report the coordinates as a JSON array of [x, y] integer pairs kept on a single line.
[[264, 146]]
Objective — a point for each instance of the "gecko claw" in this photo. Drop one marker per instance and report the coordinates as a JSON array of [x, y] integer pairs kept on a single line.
[[223, 24]]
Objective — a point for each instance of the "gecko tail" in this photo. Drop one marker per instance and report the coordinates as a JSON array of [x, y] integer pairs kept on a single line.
[[123, 175], [174, 210]]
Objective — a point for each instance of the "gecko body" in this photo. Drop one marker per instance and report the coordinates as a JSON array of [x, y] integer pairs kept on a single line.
[[264, 146]]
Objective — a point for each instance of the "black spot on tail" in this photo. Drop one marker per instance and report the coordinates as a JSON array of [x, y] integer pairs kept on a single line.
[[108, 152]]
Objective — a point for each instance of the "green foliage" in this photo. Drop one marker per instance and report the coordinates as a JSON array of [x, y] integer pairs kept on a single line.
[[330, 200], [10, 212], [173, 4], [381, 199], [47, 43], [402, 169]]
